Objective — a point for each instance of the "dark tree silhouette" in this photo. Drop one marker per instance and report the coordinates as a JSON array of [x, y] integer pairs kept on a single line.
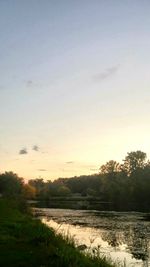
[[134, 161]]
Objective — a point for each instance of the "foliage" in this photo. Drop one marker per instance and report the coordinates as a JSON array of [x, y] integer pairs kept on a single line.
[[110, 167], [28, 191], [125, 186], [63, 191], [134, 161], [10, 184]]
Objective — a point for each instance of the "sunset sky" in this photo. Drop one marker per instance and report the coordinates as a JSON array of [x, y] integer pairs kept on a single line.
[[74, 84]]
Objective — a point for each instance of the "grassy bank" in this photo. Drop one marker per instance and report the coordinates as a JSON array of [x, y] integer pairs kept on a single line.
[[26, 242]]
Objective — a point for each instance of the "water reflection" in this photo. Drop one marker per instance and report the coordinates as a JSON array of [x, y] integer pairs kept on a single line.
[[123, 236], [134, 236], [138, 242], [113, 238]]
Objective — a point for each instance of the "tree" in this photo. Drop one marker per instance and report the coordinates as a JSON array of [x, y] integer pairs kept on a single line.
[[110, 167], [134, 161], [29, 192], [91, 192], [39, 186], [63, 191], [10, 184]]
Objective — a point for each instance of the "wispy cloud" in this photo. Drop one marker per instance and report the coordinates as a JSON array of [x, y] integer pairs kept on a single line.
[[35, 148], [66, 170], [42, 170], [32, 84], [106, 73], [29, 83], [23, 151]]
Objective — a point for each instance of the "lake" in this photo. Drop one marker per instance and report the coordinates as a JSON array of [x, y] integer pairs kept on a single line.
[[122, 236]]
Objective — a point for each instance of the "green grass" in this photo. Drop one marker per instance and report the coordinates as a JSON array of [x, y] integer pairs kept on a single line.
[[26, 242]]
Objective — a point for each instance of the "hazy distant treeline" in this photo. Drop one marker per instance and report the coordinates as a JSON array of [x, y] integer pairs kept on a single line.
[[125, 185]]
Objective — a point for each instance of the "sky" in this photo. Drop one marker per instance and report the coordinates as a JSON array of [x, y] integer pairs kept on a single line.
[[74, 85]]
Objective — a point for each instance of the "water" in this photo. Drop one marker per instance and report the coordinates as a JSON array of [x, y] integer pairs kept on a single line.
[[123, 236]]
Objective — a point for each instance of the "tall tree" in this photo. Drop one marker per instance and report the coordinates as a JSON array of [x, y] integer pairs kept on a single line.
[[110, 167], [10, 184], [134, 161]]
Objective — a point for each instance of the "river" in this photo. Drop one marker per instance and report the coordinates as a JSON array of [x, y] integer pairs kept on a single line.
[[122, 236]]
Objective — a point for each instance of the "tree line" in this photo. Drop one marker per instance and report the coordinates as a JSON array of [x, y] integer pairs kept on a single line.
[[124, 185]]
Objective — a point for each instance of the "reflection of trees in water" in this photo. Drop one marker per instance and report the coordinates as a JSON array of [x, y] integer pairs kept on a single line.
[[138, 243], [113, 237], [135, 236]]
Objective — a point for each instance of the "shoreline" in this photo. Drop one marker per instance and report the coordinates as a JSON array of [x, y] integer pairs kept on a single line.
[[26, 241]]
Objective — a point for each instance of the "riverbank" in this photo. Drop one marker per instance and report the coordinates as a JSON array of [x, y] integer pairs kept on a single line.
[[25, 241]]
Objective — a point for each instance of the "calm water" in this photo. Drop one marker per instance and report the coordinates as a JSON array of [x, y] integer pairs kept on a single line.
[[123, 236]]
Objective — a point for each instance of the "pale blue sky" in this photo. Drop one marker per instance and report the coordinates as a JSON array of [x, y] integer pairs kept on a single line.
[[74, 80]]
